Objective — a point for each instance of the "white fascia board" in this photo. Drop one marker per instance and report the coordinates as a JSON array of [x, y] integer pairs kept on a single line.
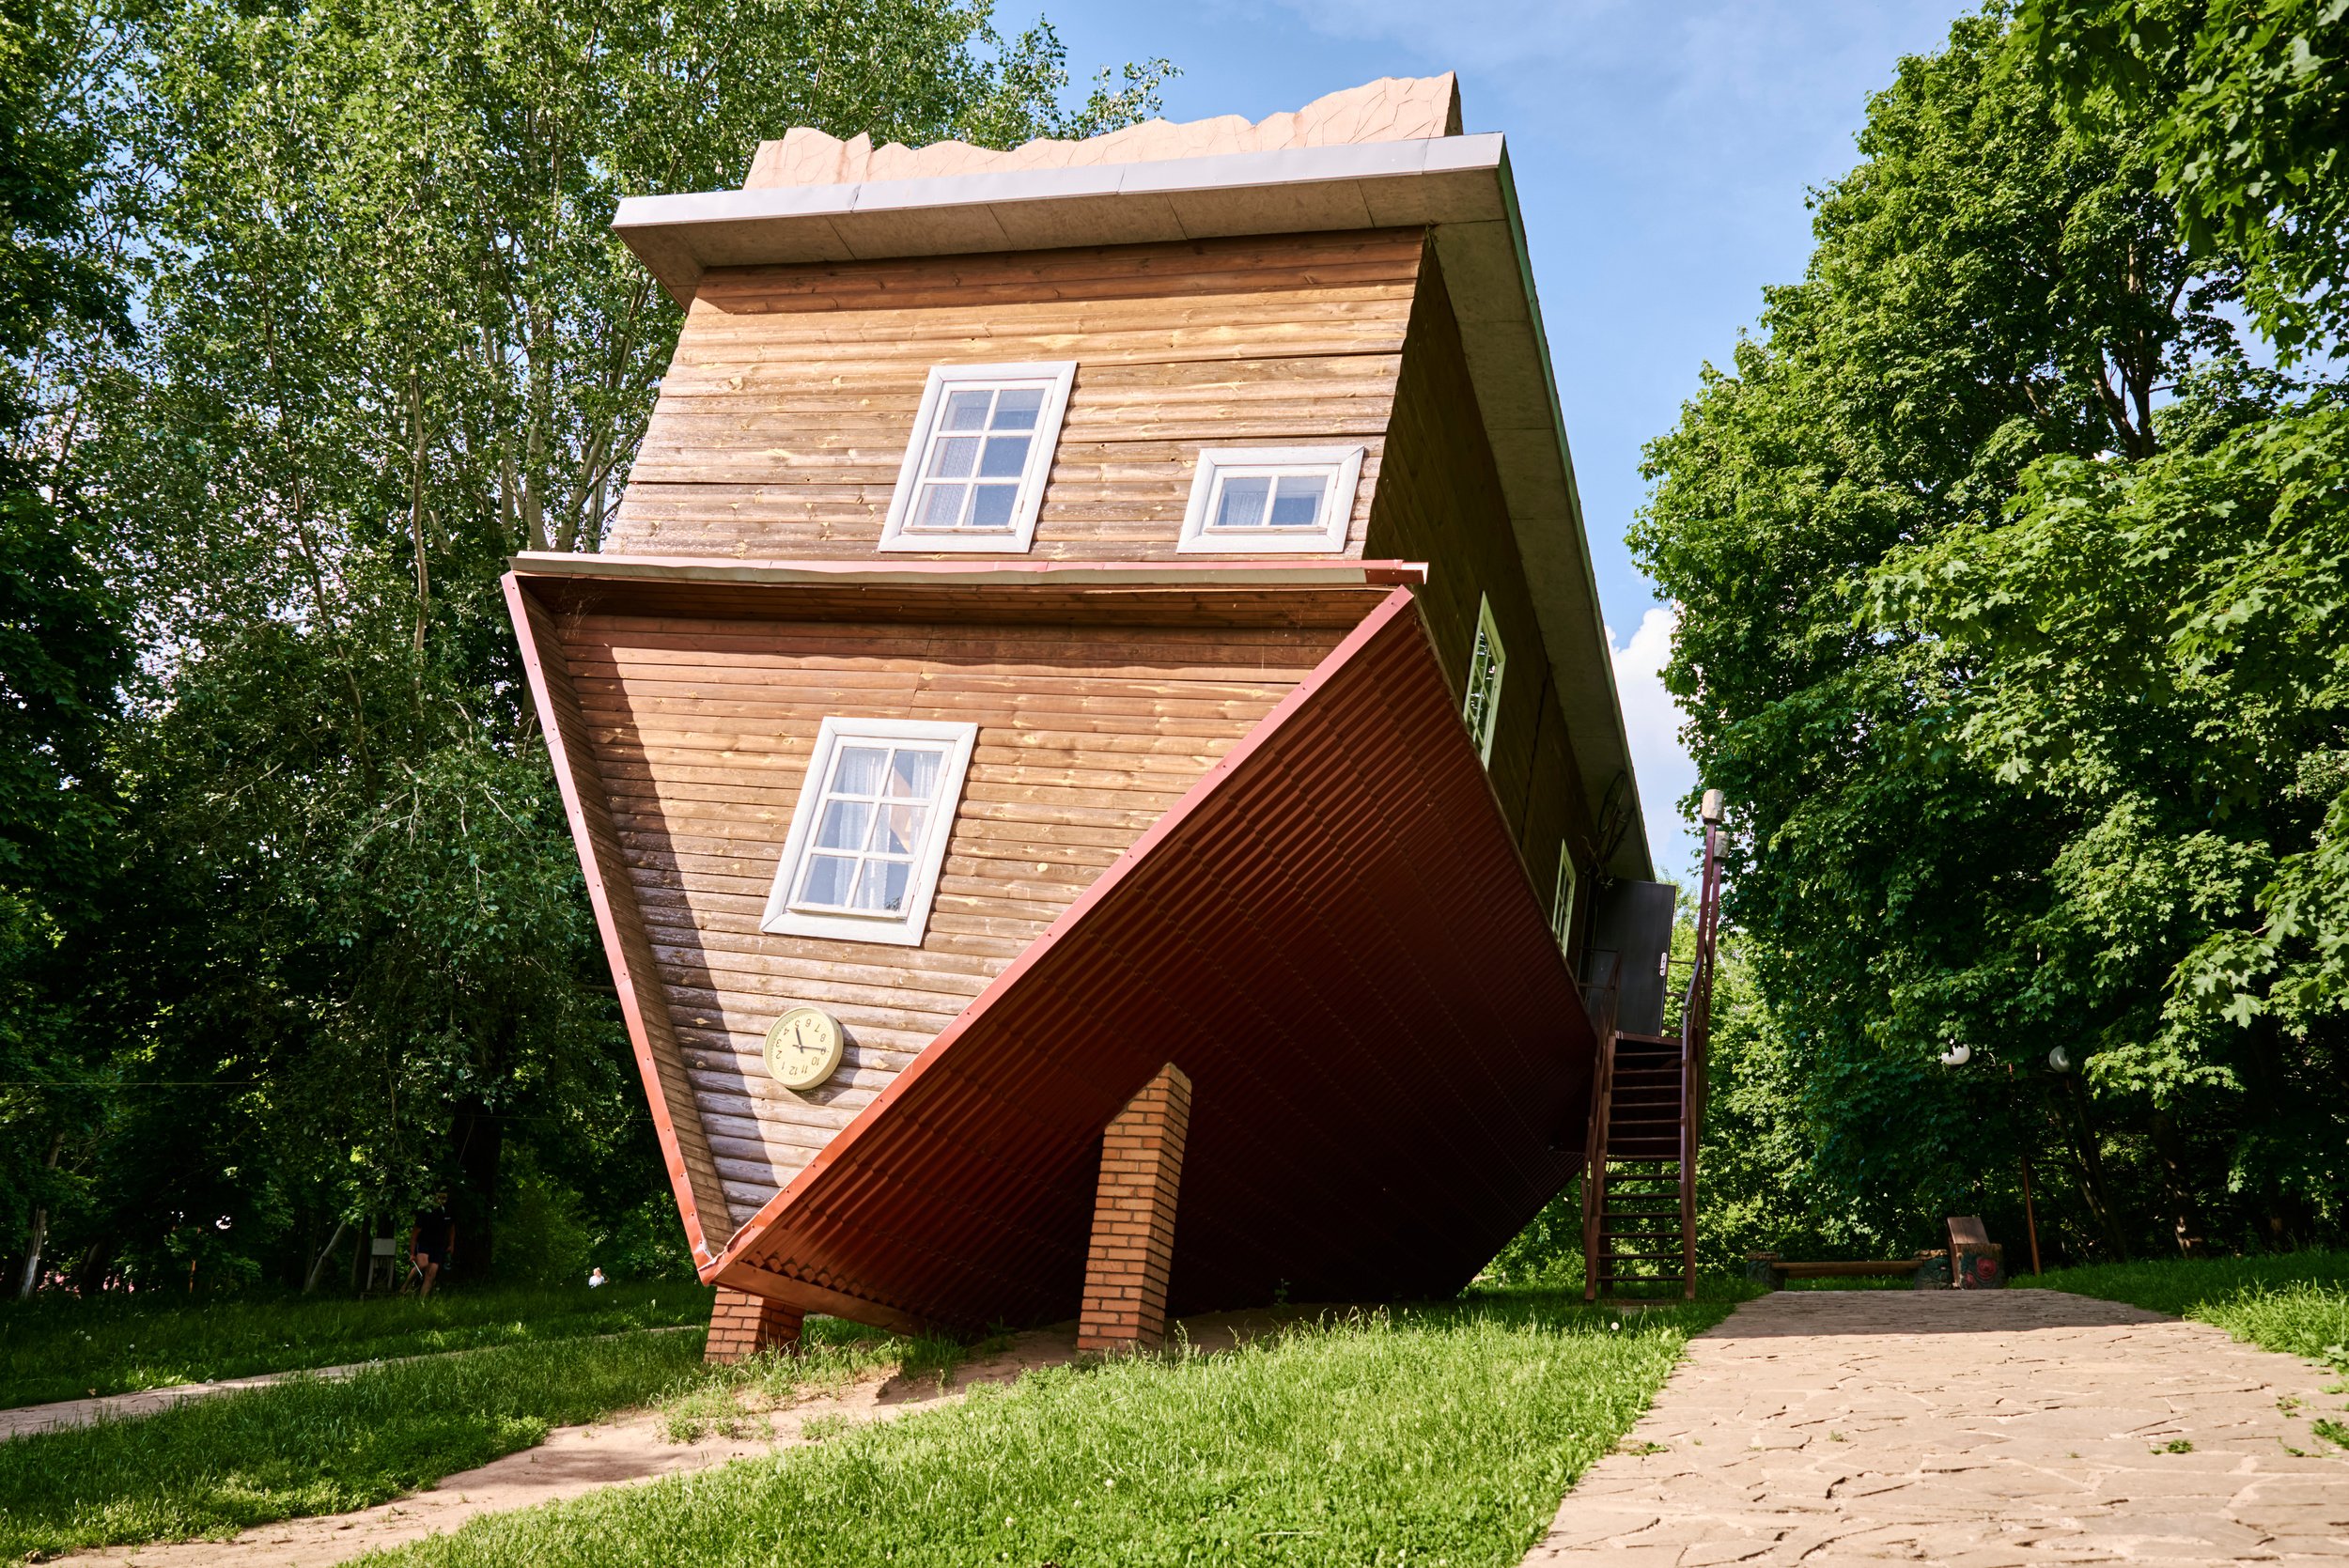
[[950, 574], [1296, 189]]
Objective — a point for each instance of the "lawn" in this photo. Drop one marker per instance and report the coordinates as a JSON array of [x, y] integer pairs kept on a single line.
[[214, 1465], [57, 1347], [2295, 1302], [1442, 1435]]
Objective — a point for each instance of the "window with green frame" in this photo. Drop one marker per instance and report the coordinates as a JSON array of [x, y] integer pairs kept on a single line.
[[1486, 660]]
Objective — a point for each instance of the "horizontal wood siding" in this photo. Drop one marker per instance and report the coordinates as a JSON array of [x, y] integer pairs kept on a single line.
[[786, 410], [701, 732], [635, 969], [1440, 500]]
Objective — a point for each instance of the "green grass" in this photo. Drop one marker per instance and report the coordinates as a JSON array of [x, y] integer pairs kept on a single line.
[[1443, 1434], [2295, 1302], [62, 1348], [832, 1354], [214, 1465]]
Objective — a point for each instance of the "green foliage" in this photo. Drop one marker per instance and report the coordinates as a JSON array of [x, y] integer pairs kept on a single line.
[[339, 954], [1447, 1434], [2249, 100], [55, 1347], [2006, 587], [2154, 653], [62, 649], [2294, 1303], [215, 1466], [1547, 1254]]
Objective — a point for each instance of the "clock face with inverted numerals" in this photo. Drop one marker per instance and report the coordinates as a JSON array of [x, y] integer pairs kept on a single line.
[[803, 1047]]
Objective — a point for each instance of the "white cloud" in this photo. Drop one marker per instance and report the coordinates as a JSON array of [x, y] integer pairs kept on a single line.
[[1651, 722]]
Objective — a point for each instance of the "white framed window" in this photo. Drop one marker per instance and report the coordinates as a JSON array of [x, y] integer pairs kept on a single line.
[[1488, 660], [1562, 898], [869, 832], [973, 474], [1272, 500]]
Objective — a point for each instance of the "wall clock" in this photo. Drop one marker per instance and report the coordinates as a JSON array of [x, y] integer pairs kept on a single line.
[[803, 1047]]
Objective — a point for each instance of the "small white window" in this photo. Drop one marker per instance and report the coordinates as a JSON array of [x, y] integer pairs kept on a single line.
[[869, 832], [973, 474], [1562, 898], [1272, 500], [1485, 662]]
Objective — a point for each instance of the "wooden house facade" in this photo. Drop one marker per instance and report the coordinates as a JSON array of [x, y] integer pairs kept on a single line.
[[1089, 731]]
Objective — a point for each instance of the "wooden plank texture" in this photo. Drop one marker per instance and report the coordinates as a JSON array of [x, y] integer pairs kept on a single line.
[[700, 734], [786, 410], [1440, 500], [693, 1168]]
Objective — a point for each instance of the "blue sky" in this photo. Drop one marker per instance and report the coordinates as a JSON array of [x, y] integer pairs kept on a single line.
[[1662, 152]]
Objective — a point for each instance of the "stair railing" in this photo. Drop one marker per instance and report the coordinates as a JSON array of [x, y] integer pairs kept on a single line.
[[1602, 999], [1696, 1031]]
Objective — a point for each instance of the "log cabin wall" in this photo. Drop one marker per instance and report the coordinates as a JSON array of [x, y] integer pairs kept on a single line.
[[701, 731], [1440, 500], [787, 408]]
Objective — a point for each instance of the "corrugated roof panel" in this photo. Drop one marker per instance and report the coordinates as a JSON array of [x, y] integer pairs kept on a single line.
[[1333, 936]]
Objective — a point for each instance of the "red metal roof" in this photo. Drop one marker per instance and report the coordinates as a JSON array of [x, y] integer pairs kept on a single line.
[[1334, 936]]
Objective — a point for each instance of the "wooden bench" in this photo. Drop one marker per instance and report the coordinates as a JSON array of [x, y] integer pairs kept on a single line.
[[1769, 1268], [1842, 1270]]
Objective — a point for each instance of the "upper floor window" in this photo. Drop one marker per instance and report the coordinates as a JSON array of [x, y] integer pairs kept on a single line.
[[869, 832], [1487, 662], [1272, 500], [973, 474]]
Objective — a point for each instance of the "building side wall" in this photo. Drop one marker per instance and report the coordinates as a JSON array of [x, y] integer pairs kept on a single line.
[[787, 408], [701, 732], [635, 971], [1440, 500]]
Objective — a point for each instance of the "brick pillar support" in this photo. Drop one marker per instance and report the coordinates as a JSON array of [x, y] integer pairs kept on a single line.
[[743, 1325], [1133, 1219]]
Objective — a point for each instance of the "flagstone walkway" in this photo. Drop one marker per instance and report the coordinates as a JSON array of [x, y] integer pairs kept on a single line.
[[2017, 1427]]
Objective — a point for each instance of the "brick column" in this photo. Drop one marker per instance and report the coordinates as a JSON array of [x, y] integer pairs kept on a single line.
[[1133, 1219], [743, 1325]]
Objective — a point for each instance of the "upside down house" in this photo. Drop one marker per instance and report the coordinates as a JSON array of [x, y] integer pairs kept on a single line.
[[1090, 724]]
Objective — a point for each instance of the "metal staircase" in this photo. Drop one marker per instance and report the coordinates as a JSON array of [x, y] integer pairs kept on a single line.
[[1648, 1116]]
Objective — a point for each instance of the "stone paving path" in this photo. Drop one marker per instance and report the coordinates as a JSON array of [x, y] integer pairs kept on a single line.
[[2017, 1427]]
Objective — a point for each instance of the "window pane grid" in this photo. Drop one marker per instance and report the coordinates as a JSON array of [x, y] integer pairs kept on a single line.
[[1268, 500], [978, 457], [870, 825]]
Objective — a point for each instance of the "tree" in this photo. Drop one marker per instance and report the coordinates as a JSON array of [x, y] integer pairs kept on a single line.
[[2153, 651], [2249, 106], [62, 649], [1995, 286], [391, 341]]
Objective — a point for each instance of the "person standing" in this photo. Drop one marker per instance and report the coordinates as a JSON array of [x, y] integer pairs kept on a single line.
[[432, 1240]]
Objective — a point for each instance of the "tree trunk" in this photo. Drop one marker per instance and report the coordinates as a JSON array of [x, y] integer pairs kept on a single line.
[[32, 1254], [477, 1139], [2186, 1211], [91, 1272], [2091, 1162], [41, 1230], [318, 1268]]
